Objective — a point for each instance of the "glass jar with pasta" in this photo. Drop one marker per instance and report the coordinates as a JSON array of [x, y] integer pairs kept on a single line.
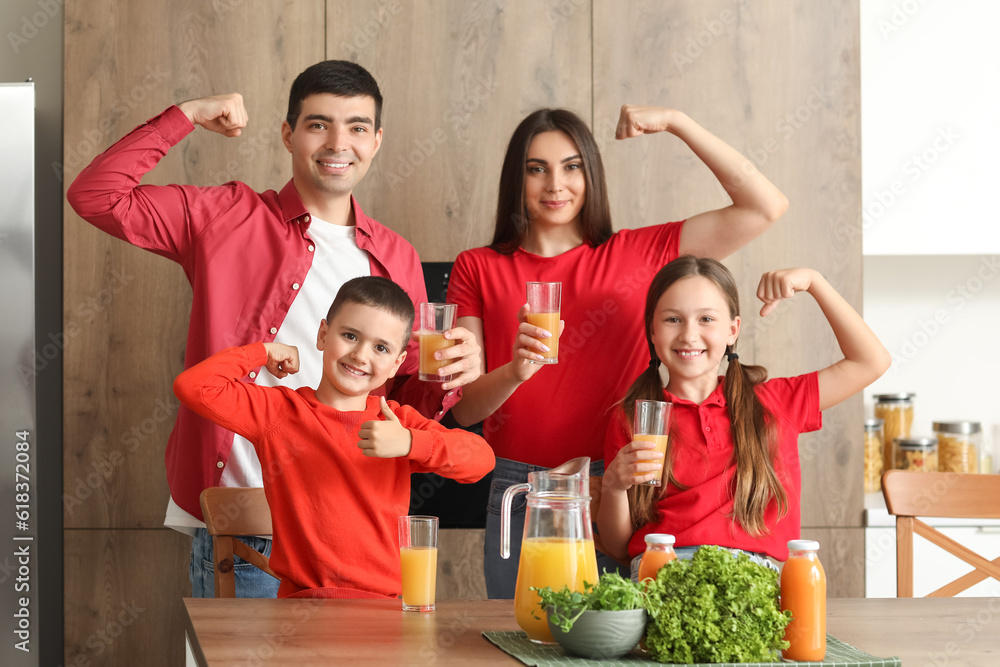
[[896, 410], [958, 445], [874, 451], [916, 454]]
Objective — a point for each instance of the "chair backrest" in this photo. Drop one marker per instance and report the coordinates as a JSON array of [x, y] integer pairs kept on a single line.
[[230, 512], [939, 494]]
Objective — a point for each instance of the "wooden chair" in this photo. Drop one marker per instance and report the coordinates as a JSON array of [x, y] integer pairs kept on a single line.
[[230, 512], [939, 494]]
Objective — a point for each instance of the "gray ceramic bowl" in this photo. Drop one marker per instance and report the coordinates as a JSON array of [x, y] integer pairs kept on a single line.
[[602, 634]]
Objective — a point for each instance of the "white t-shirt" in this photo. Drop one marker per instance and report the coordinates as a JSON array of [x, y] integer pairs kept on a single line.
[[338, 259]]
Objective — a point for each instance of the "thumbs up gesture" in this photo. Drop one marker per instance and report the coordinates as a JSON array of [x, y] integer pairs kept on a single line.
[[384, 439]]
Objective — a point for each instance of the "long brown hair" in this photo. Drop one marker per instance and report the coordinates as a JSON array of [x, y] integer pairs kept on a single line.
[[752, 425], [512, 213]]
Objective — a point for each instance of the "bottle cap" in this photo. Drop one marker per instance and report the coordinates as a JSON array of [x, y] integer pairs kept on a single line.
[[659, 538], [803, 545]]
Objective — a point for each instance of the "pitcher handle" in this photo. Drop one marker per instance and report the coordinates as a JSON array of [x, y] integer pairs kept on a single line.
[[508, 498]]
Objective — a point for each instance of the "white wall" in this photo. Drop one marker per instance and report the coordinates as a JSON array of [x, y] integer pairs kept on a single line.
[[939, 316], [930, 89]]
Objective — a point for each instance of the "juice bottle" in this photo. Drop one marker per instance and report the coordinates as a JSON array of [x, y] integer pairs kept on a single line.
[[553, 562], [549, 322], [659, 552], [419, 573], [803, 592]]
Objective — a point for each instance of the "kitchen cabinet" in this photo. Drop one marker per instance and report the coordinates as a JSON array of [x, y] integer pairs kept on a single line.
[[932, 566], [928, 125]]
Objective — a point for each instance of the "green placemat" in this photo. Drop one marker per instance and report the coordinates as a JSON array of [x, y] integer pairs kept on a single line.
[[517, 644]]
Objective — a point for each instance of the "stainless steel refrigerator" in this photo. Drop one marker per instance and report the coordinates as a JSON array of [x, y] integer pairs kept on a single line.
[[19, 558]]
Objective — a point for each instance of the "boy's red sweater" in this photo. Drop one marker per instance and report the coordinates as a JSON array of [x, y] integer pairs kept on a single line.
[[333, 509]]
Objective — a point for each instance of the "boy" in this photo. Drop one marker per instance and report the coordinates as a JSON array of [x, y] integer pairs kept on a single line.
[[336, 460]]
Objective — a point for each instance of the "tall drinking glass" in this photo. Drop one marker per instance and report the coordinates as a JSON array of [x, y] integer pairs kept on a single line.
[[418, 540], [435, 319], [544, 305], [651, 424]]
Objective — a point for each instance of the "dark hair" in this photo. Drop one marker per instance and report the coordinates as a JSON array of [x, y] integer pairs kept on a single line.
[[337, 77], [512, 213], [751, 423], [376, 292]]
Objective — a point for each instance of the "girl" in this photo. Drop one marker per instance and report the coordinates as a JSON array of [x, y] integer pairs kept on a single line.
[[731, 471], [553, 223]]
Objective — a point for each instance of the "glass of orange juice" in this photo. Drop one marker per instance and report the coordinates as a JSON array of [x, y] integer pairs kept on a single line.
[[418, 540], [650, 424], [435, 319], [544, 305]]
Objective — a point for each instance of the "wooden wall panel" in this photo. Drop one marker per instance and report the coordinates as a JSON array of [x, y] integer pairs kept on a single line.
[[123, 597], [460, 564], [781, 83], [126, 310], [457, 77], [842, 553]]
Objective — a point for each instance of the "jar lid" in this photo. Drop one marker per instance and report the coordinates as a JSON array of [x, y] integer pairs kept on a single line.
[[803, 545], [915, 443], [889, 398], [964, 427], [659, 538], [874, 423]]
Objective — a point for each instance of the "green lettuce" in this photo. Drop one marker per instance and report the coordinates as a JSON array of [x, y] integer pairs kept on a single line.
[[611, 593], [716, 607]]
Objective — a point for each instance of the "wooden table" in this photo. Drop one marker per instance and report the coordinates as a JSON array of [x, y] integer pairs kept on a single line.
[[943, 632]]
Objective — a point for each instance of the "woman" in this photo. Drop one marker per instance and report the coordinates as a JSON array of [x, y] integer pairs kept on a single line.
[[553, 223]]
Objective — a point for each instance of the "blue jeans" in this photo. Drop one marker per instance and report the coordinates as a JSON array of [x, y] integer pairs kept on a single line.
[[501, 574], [251, 582], [686, 553]]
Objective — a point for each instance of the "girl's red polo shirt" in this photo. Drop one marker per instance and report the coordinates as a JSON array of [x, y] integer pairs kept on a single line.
[[702, 455]]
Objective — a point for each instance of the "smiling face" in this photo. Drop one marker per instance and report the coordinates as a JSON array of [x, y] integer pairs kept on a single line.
[[362, 348], [554, 182], [692, 325], [332, 145]]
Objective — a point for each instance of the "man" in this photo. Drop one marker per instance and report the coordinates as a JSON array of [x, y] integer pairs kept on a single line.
[[263, 266]]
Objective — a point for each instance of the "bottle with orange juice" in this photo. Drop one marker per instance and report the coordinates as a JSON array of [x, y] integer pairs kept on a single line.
[[803, 592], [659, 552]]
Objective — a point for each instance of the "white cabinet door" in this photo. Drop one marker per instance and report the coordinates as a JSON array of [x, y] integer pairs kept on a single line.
[[929, 131], [932, 566]]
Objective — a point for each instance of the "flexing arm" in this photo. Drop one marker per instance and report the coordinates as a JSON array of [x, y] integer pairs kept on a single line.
[[213, 387], [865, 358], [757, 203], [108, 194], [224, 114], [485, 396]]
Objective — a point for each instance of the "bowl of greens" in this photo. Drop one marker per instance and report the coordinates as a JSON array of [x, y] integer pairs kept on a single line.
[[605, 621]]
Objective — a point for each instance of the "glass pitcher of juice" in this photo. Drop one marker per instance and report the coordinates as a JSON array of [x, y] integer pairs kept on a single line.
[[557, 548]]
